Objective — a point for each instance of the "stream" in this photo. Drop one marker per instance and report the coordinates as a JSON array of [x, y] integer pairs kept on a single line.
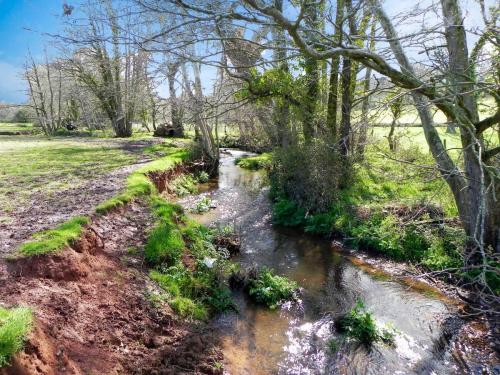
[[293, 339]]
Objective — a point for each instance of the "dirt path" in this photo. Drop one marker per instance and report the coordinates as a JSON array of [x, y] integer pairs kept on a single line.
[[44, 211], [93, 315]]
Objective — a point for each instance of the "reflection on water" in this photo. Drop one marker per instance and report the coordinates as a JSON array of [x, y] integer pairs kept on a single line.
[[293, 340]]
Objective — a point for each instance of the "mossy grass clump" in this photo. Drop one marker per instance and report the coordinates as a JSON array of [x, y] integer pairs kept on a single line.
[[270, 289], [15, 324], [53, 240], [262, 161], [360, 326]]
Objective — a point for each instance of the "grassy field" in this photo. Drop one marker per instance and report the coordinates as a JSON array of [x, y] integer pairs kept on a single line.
[[6, 127], [32, 165]]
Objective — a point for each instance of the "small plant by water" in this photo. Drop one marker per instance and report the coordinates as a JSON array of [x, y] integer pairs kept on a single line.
[[270, 289], [360, 326], [203, 205]]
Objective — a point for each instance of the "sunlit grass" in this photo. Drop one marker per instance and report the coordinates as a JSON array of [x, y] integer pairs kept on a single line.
[[52, 240], [33, 165], [15, 324]]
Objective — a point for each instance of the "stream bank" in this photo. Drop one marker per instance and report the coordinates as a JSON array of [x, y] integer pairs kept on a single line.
[[294, 340]]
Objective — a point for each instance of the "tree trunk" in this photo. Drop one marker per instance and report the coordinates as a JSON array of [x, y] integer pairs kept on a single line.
[[331, 117], [176, 114], [345, 121]]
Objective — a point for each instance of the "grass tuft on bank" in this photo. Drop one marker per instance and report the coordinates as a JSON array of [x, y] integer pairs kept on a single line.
[[139, 184], [53, 240], [15, 324]]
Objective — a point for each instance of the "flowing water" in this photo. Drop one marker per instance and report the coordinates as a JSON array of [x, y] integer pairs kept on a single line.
[[294, 339]]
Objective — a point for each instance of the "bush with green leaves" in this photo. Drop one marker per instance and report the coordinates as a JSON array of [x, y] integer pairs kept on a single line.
[[270, 289], [311, 175], [15, 324], [359, 325]]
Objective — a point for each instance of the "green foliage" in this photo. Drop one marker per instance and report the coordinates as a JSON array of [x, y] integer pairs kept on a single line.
[[53, 240], [164, 245], [15, 324], [203, 177], [196, 291], [203, 205], [359, 325], [262, 161], [311, 175], [287, 213], [165, 242], [184, 185], [273, 84], [187, 308], [270, 289]]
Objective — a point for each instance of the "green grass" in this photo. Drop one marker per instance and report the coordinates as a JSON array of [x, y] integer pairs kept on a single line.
[[43, 166], [15, 127], [138, 183], [192, 293], [53, 240], [15, 324], [261, 161]]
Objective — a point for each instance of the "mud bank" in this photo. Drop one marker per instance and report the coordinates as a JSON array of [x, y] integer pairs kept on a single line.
[[93, 311], [93, 302]]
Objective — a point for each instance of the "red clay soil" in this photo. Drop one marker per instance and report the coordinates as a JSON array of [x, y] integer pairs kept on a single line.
[[92, 314]]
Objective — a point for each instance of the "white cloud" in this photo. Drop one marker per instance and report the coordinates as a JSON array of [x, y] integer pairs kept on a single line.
[[12, 86]]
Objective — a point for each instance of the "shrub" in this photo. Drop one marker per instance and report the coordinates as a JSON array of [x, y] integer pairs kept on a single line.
[[203, 177], [15, 324], [287, 213], [359, 325], [270, 289], [311, 175]]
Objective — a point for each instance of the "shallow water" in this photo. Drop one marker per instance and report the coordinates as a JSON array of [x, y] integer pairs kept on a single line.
[[293, 339]]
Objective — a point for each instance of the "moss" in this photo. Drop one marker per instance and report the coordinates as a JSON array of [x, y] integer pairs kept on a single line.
[[15, 324], [53, 240], [261, 161]]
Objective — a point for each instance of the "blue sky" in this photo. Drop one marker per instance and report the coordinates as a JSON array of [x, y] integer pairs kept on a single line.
[[22, 24]]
